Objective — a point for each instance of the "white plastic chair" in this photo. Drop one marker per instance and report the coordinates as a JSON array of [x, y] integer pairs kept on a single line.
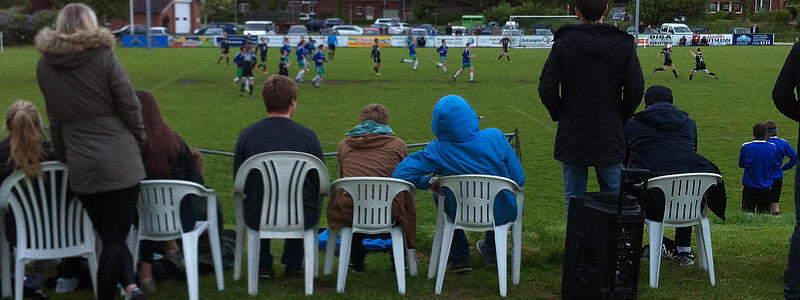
[[49, 226], [159, 220], [372, 214], [474, 195], [683, 207], [283, 174]]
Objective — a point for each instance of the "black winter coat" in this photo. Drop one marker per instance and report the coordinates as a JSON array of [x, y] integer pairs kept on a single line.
[[663, 139], [788, 81], [591, 84]]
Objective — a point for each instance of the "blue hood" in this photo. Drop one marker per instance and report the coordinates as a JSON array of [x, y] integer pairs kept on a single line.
[[454, 120]]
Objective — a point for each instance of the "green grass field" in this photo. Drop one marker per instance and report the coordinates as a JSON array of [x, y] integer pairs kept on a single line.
[[201, 103]]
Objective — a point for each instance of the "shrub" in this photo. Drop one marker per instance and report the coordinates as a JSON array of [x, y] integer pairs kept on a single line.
[[780, 16], [19, 28]]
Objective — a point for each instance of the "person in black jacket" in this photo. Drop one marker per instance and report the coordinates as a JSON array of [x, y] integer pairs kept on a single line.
[[448, 30], [278, 132], [783, 96], [663, 140], [596, 70], [165, 156]]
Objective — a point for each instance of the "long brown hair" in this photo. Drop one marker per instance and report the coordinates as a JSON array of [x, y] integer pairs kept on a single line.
[[163, 144], [24, 126]]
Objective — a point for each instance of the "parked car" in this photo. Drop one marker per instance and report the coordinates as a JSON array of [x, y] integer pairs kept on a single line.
[[348, 30], [399, 28], [159, 31], [125, 30], [739, 30], [372, 31], [618, 16], [315, 26], [259, 28], [213, 31], [699, 29], [476, 29], [230, 28], [675, 28], [651, 31], [511, 30], [382, 27], [459, 30], [387, 21], [541, 32], [419, 32], [331, 22], [427, 27], [304, 17], [631, 30], [327, 31], [297, 30]]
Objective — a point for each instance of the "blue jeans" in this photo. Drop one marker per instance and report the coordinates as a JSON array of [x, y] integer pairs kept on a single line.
[[459, 250], [792, 276], [575, 178]]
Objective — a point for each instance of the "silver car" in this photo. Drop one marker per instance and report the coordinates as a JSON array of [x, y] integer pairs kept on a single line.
[[297, 30], [348, 30]]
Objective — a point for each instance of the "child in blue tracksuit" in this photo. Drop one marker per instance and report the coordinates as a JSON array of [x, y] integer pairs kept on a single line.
[[758, 158], [237, 60], [462, 148], [784, 151]]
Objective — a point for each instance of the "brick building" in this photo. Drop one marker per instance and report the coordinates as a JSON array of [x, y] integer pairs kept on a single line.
[[354, 9], [179, 16], [736, 6]]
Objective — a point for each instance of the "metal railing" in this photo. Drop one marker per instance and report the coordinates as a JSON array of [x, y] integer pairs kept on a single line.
[[513, 139]]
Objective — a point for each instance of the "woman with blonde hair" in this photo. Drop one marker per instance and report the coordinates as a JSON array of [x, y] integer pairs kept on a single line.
[[96, 127]]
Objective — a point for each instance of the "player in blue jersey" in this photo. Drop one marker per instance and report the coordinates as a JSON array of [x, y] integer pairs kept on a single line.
[[466, 62], [301, 61], [442, 50], [286, 49], [331, 44], [319, 60], [412, 53], [310, 49]]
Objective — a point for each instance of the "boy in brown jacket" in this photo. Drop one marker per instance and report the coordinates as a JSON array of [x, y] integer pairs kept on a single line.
[[371, 149]]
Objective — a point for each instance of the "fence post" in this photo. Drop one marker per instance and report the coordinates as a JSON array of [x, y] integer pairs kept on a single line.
[[1, 42]]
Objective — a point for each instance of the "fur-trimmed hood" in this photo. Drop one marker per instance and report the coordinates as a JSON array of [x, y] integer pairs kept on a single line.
[[72, 50]]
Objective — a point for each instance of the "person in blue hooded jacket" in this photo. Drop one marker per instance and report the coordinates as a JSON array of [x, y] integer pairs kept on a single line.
[[462, 148]]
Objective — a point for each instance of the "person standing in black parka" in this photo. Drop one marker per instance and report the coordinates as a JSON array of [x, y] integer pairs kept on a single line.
[[591, 84]]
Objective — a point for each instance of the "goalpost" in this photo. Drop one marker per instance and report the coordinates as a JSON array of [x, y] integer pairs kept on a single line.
[[526, 35]]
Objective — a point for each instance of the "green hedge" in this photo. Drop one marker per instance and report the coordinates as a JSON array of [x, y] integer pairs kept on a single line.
[[20, 28]]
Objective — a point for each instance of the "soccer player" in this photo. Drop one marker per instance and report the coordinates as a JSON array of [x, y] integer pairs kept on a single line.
[[700, 64], [248, 62], [247, 41], [466, 63], [263, 47], [302, 40], [283, 65], [309, 49], [331, 44], [223, 44], [286, 48], [412, 53], [442, 56], [667, 52], [376, 57], [301, 61], [237, 60], [504, 43], [319, 60]]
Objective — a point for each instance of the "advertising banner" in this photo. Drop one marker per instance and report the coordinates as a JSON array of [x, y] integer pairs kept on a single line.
[[488, 41], [661, 39], [366, 41], [753, 39], [191, 42], [712, 39], [455, 41], [533, 41], [398, 41], [140, 41]]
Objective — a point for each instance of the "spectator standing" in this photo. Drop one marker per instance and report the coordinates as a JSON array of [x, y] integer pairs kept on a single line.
[[166, 156], [371, 149], [783, 95], [278, 132], [591, 84], [754, 28], [97, 128], [448, 30], [663, 139], [758, 158], [785, 150], [461, 148]]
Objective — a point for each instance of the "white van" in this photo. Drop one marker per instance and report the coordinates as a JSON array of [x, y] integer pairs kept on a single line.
[[259, 28], [675, 28]]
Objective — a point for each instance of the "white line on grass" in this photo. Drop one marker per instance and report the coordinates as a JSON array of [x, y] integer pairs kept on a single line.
[[532, 118]]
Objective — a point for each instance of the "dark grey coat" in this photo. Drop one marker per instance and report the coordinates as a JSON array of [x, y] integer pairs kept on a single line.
[[95, 118]]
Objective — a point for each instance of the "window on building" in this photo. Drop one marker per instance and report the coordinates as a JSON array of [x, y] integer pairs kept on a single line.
[[712, 7], [359, 11], [737, 7], [370, 13], [725, 6]]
